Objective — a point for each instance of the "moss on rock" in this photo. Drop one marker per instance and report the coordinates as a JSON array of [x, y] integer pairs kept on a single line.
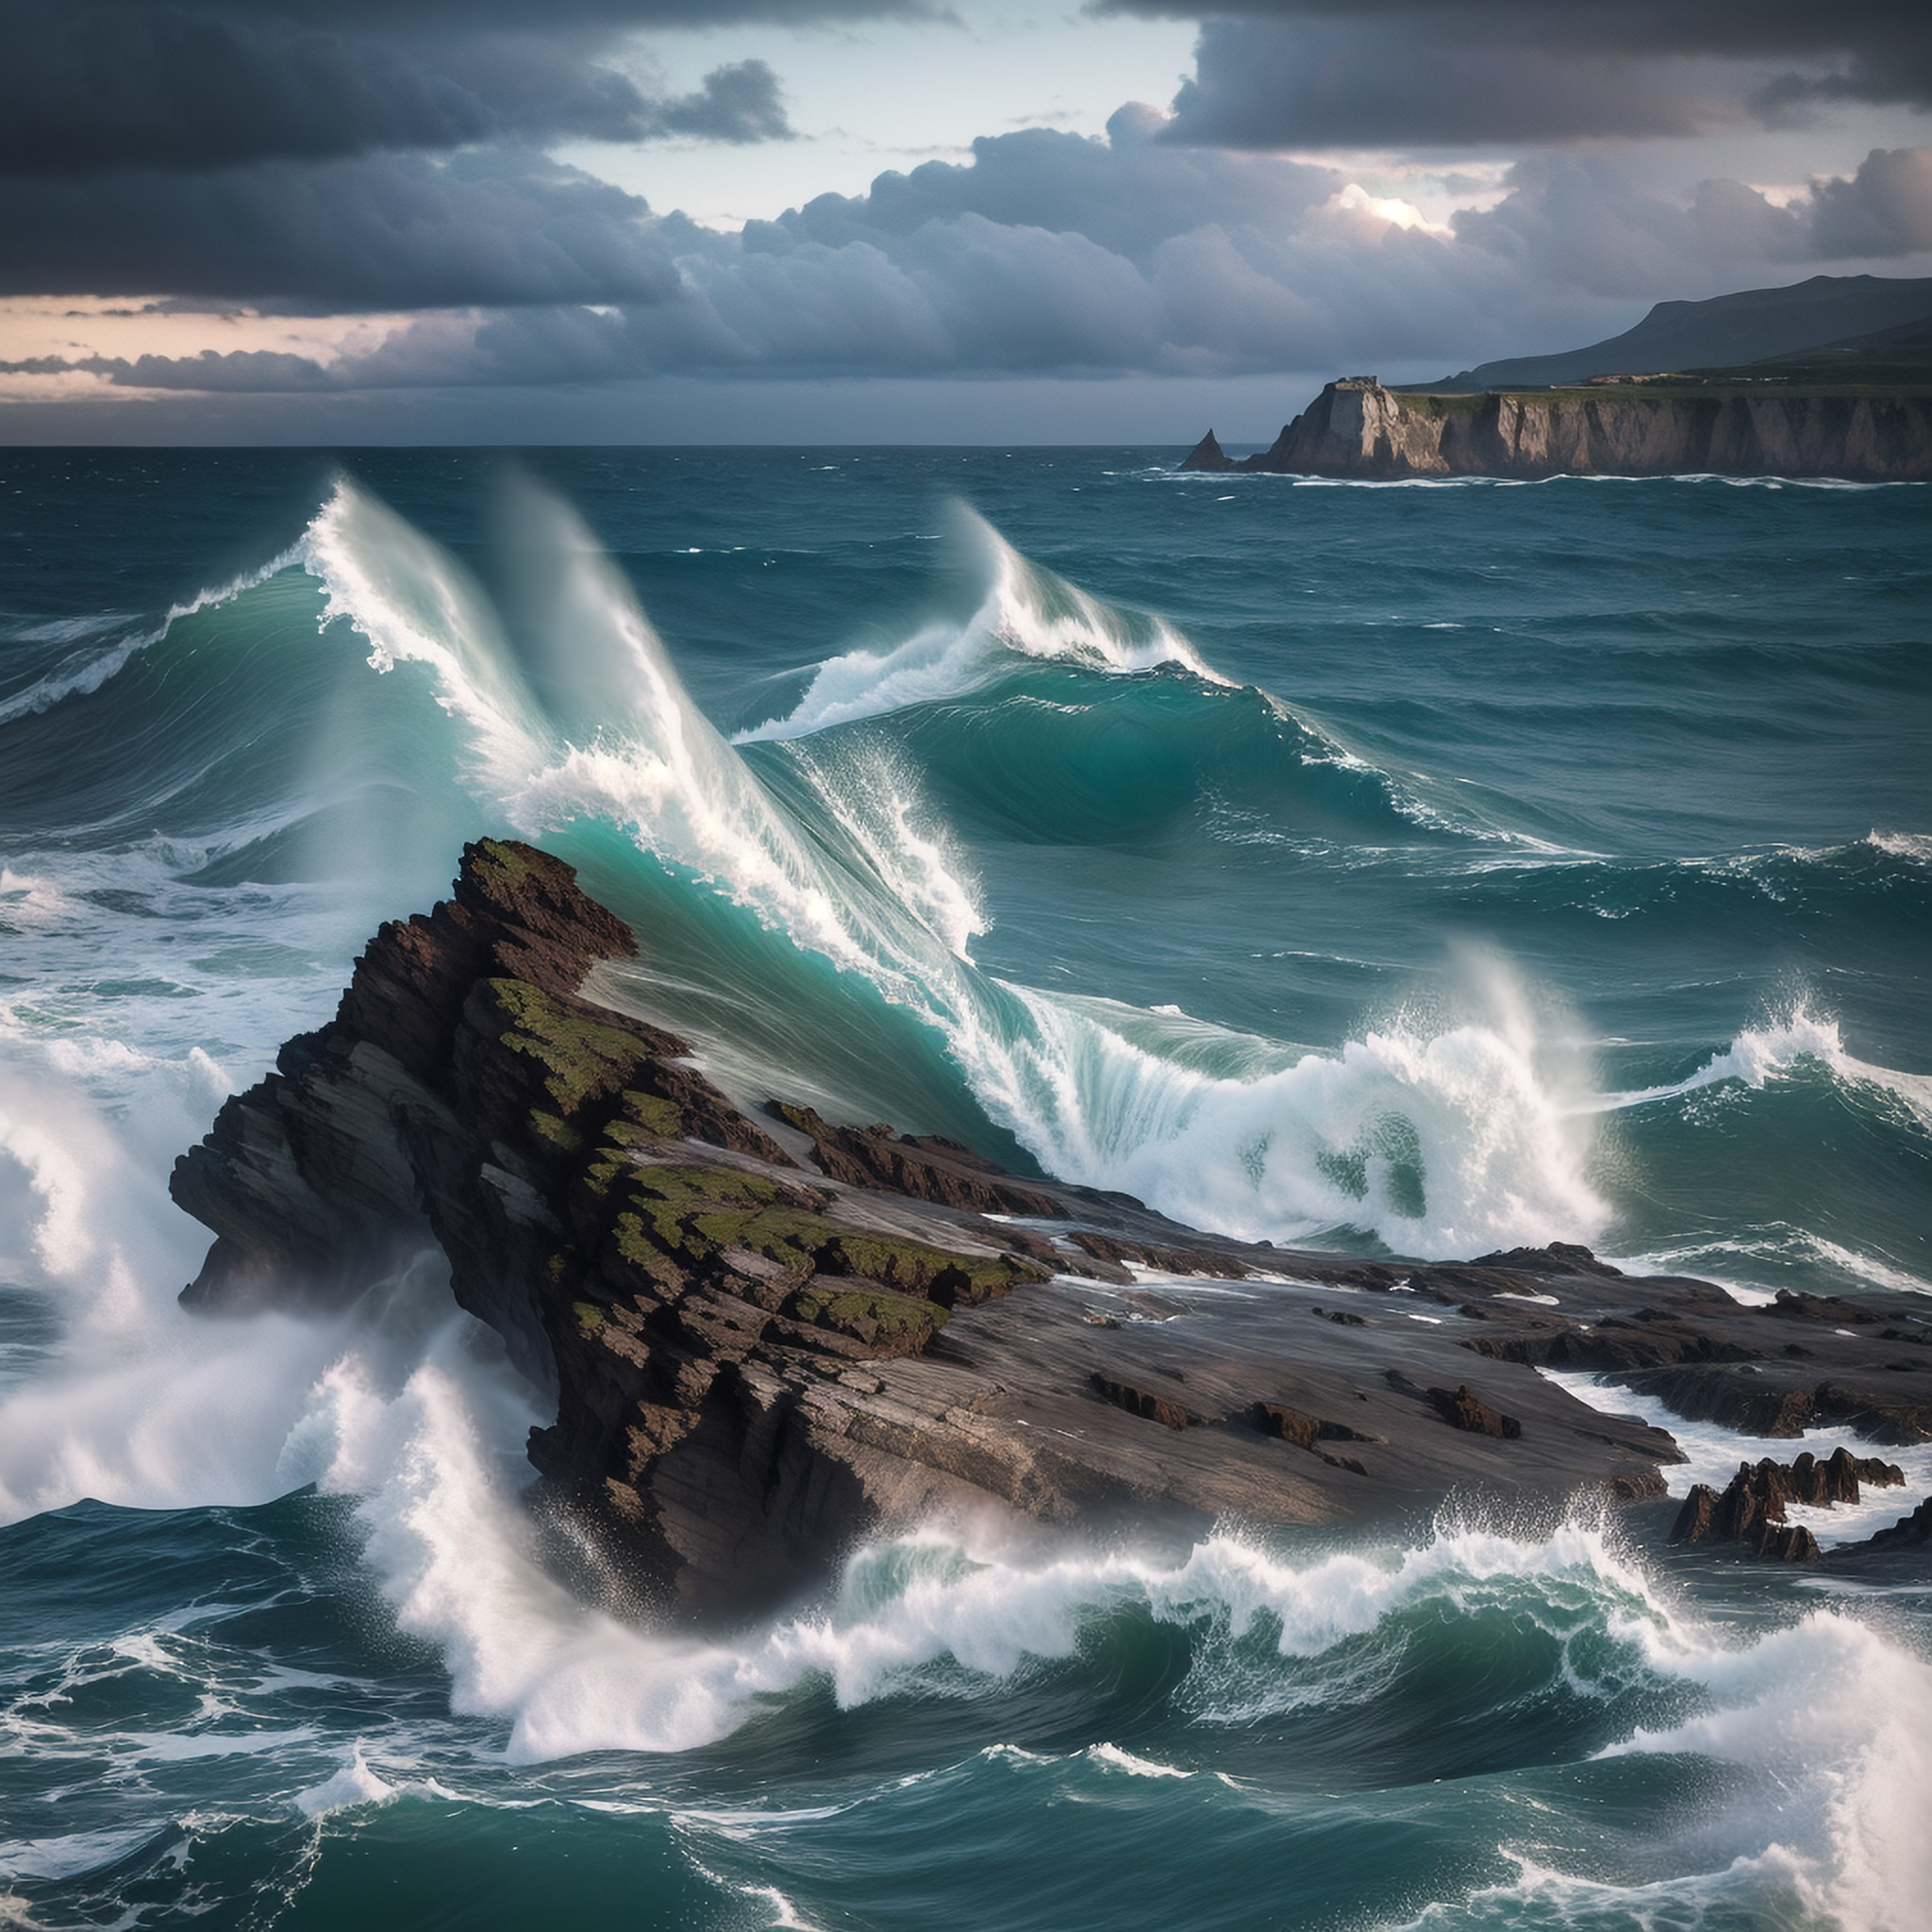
[[578, 1060], [893, 1323]]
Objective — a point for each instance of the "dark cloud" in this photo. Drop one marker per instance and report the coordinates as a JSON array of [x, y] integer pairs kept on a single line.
[[915, 279], [1048, 253], [1884, 210], [1580, 223], [386, 231], [1476, 72], [740, 103], [502, 228], [89, 86], [1127, 192]]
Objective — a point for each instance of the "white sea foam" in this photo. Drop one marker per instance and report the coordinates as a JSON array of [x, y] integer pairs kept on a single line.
[[354, 1783], [1114, 1759], [1448, 1132], [1024, 611], [1760, 1055], [66, 1858], [1458, 1133], [1837, 1716], [1916, 847]]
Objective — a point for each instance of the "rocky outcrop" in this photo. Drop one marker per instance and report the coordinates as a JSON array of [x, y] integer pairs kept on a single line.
[[1751, 1509], [1356, 427], [1208, 454], [765, 1336], [1913, 1532]]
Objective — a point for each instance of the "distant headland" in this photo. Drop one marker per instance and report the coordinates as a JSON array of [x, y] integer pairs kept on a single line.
[[1839, 384]]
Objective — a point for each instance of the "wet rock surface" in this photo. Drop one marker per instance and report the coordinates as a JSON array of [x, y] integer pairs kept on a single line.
[[767, 1338], [1750, 1508]]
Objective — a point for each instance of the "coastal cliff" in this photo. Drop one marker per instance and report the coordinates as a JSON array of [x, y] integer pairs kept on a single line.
[[1357, 427], [767, 1338]]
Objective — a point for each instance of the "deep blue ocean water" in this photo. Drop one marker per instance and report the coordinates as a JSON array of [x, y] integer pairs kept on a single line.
[[1420, 869]]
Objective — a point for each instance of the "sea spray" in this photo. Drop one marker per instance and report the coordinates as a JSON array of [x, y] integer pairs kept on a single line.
[[1673, 677], [1765, 1053], [1023, 611], [1458, 1114]]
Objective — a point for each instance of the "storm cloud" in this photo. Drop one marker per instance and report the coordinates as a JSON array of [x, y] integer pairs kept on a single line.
[[1312, 74], [385, 176], [386, 231], [93, 86], [1049, 254]]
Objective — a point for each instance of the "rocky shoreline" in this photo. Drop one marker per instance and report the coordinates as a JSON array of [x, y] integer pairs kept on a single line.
[[767, 1338], [1357, 427]]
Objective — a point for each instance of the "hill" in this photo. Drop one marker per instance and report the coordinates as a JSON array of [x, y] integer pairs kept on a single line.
[[1727, 332]]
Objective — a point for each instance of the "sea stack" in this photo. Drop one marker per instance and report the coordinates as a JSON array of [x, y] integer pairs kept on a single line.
[[1208, 455]]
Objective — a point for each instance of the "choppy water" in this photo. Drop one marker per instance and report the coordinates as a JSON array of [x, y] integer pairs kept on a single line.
[[1412, 868]]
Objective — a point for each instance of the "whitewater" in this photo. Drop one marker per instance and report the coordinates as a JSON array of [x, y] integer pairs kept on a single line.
[[1155, 841]]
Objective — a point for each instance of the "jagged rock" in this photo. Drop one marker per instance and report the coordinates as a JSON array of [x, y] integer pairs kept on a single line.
[[1149, 1403], [1461, 1410], [755, 1359], [1752, 1509], [1209, 1261], [924, 1168], [1559, 1257], [1820, 1308], [1908, 1532], [1310, 1432], [1208, 454]]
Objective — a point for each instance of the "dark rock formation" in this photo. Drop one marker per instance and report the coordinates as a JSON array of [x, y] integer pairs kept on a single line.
[[763, 1341], [1150, 1402], [1908, 1533], [1752, 1509], [922, 1168], [1356, 427], [1461, 1410], [1208, 454]]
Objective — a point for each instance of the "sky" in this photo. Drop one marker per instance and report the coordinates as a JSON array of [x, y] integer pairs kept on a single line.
[[898, 221]]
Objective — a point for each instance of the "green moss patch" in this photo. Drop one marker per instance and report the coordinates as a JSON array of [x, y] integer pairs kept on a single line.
[[895, 1323], [578, 1060], [914, 1267]]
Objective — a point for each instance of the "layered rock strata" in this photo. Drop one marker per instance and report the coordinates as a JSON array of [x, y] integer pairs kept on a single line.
[[766, 1338], [1356, 427]]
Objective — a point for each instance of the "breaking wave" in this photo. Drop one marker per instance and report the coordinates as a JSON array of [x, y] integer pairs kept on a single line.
[[1024, 611]]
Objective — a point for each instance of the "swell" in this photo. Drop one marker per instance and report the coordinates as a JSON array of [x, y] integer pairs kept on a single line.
[[1455, 1126], [999, 1716], [1073, 757], [93, 649], [844, 859], [1585, 1730]]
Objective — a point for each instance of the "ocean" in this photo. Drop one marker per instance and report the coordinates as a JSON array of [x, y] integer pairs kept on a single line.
[[1421, 869]]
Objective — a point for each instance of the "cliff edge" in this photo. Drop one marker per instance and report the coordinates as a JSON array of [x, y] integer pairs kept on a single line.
[[1357, 427]]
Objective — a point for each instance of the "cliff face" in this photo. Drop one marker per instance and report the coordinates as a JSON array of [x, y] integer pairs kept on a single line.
[[1356, 427], [766, 1339]]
